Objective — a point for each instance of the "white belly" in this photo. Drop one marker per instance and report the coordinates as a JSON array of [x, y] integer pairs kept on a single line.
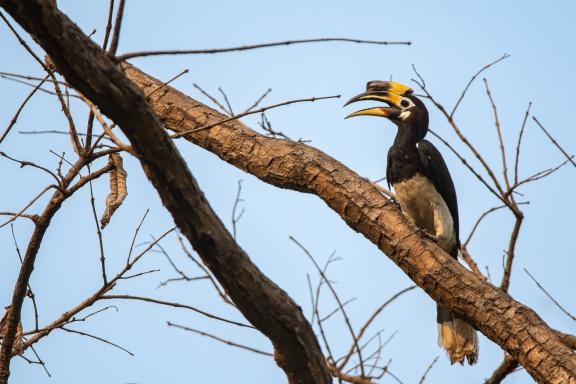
[[424, 206]]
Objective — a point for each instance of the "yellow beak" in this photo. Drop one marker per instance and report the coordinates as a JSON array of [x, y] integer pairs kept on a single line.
[[385, 91]]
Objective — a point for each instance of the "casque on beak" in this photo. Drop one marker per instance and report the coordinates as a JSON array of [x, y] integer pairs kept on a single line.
[[385, 91]]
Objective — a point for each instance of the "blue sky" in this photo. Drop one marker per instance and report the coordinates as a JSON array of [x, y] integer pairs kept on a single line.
[[451, 41]]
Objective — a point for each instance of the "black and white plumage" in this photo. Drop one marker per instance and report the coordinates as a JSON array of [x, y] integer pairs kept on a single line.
[[425, 191]]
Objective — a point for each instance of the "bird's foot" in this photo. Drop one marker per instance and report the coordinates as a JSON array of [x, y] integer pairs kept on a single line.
[[428, 235]]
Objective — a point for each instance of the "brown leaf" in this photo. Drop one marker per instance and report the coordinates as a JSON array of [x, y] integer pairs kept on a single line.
[[118, 189]]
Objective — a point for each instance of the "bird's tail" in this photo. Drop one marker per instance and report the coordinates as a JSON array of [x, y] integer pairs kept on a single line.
[[457, 337]]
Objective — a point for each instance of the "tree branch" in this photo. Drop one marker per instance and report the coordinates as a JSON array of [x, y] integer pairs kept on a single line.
[[297, 166]]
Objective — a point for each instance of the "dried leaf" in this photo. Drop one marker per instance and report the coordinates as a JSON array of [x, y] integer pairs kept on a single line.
[[118, 190]]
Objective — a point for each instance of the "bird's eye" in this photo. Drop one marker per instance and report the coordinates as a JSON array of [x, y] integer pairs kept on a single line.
[[405, 103]]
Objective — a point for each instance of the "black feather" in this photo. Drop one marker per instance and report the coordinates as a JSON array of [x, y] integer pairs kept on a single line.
[[435, 169]]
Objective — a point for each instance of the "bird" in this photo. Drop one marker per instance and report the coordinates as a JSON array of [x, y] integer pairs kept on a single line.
[[425, 191]]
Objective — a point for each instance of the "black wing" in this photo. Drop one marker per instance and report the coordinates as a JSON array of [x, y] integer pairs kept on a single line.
[[435, 169]]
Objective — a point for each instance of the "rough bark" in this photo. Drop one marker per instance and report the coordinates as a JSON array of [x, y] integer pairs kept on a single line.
[[516, 328], [297, 166], [86, 67]]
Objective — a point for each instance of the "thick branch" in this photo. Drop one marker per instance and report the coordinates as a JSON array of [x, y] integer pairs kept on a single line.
[[87, 68], [296, 166], [286, 164]]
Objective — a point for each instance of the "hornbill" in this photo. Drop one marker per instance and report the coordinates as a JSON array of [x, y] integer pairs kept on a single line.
[[425, 191]]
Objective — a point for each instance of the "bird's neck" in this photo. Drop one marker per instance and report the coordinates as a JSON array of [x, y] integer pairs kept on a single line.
[[403, 158]]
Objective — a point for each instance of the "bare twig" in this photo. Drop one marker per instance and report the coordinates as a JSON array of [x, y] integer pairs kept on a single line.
[[182, 73], [24, 163], [467, 257], [135, 235], [236, 217], [98, 232], [22, 105], [132, 55], [337, 309], [212, 98], [229, 106], [507, 366], [499, 131], [337, 373], [511, 250], [428, 370], [550, 296], [176, 305], [257, 102], [505, 56], [41, 362], [337, 298], [570, 158], [108, 24], [117, 28], [518, 145], [463, 160], [96, 338], [21, 212], [231, 343], [369, 321], [213, 281], [463, 138], [29, 293], [260, 110]]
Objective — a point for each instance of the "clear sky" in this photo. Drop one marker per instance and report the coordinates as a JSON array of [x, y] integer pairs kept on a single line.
[[451, 41]]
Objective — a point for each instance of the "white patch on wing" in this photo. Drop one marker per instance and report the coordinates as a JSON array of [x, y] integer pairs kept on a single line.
[[424, 206]]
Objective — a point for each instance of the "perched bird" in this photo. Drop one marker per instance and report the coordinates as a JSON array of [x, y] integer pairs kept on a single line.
[[425, 191]]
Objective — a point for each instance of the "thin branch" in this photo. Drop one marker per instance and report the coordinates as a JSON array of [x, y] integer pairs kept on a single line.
[[511, 250], [41, 362], [257, 102], [135, 235], [463, 160], [337, 373], [212, 98], [337, 298], [29, 293], [570, 158], [230, 111], [32, 85], [507, 366], [236, 217], [463, 138], [231, 343], [520, 135], [108, 24], [21, 212], [117, 28], [96, 338], [505, 56], [428, 370], [499, 131], [132, 55], [479, 220], [98, 232], [213, 281], [370, 320], [260, 110], [470, 261], [337, 309], [22, 105], [176, 305], [164, 84], [24, 163], [550, 296]]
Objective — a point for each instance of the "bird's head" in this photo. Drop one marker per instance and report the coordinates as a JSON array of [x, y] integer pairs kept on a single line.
[[404, 109]]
